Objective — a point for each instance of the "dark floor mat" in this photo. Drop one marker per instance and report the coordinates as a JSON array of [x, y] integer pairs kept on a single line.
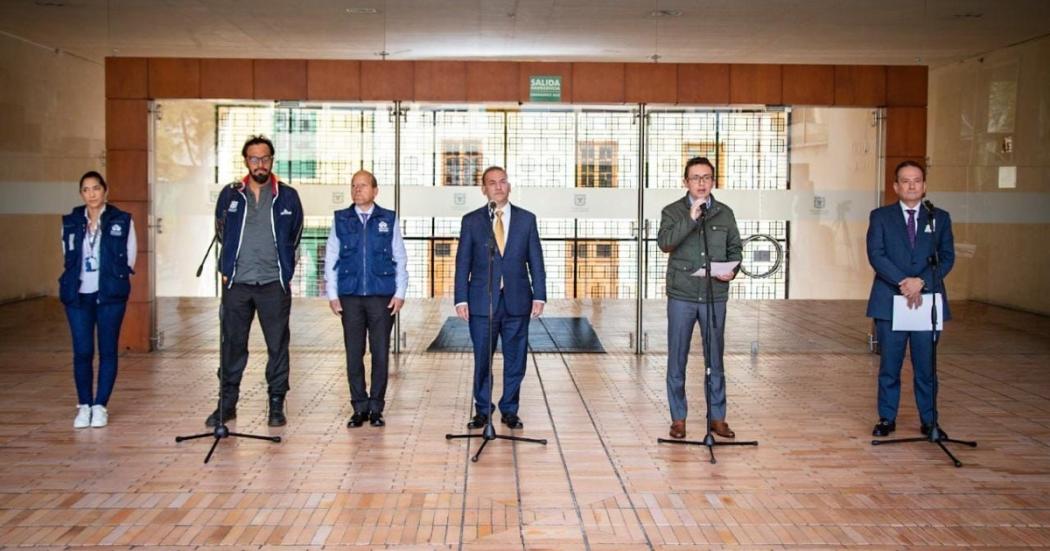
[[546, 334]]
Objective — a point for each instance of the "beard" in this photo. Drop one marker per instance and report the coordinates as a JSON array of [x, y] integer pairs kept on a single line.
[[261, 177]]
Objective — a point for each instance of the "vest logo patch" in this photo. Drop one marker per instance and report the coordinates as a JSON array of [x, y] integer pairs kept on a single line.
[[384, 227], [285, 212], [233, 206], [116, 231]]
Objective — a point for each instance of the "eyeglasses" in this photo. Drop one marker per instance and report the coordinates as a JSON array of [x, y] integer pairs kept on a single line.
[[260, 160], [706, 178]]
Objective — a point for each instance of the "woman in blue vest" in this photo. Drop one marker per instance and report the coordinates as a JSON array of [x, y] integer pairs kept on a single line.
[[98, 243]]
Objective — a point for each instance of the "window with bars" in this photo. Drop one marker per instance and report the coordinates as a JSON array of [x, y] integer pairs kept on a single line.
[[564, 148]]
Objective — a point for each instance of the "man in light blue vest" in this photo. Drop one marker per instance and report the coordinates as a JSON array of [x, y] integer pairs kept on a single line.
[[366, 277]]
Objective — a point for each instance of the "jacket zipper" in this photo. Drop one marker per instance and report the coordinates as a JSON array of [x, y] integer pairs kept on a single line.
[[273, 230], [240, 238]]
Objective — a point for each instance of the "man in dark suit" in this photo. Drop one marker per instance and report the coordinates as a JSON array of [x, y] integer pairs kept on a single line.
[[902, 238], [518, 291]]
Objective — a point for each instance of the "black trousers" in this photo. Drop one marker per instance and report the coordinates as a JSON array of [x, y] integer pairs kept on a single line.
[[239, 305], [361, 316]]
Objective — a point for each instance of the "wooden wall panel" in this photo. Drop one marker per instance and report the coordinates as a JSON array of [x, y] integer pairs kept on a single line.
[[597, 82], [651, 83], [492, 81], [860, 85], [808, 85], [703, 83], [126, 124], [127, 78], [279, 78], [174, 78], [127, 173], [755, 83], [141, 281], [331, 79], [531, 69], [906, 132], [227, 79], [440, 81], [387, 80], [906, 85], [137, 326]]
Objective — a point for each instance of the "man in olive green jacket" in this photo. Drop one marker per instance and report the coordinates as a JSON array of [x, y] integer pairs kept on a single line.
[[687, 295]]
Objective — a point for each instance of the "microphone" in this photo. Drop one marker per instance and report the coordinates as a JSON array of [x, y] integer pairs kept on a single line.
[[703, 210], [928, 205], [492, 210]]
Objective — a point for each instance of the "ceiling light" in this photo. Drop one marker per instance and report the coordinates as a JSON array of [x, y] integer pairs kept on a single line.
[[665, 13], [362, 11]]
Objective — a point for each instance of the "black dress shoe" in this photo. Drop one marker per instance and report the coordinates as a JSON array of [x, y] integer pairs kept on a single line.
[[884, 428], [925, 430], [512, 421], [277, 418], [356, 420], [479, 421], [213, 419], [376, 419]]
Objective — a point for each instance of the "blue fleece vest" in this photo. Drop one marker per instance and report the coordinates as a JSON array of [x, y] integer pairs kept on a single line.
[[114, 284], [366, 260]]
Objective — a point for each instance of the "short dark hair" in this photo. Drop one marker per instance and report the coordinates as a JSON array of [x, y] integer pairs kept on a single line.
[[491, 169], [906, 164], [95, 175], [698, 161], [256, 140]]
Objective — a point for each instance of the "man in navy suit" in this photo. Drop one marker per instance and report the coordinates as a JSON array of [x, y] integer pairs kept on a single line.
[[518, 291], [902, 238]]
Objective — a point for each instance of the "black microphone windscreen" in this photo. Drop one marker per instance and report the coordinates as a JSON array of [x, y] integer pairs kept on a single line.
[[928, 204]]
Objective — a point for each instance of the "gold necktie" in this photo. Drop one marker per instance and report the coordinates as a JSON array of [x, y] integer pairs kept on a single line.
[[500, 235]]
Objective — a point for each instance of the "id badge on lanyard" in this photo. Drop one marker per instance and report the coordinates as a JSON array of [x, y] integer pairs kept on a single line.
[[90, 259]]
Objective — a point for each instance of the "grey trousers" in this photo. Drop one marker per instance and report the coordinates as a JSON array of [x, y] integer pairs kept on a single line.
[[682, 317]]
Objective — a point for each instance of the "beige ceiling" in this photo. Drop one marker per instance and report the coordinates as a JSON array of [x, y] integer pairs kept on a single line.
[[928, 32]]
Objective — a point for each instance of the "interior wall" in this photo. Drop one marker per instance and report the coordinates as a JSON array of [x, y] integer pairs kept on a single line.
[[51, 131], [834, 185], [989, 155]]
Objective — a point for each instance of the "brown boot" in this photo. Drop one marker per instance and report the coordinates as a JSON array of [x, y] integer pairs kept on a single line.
[[678, 429], [721, 428]]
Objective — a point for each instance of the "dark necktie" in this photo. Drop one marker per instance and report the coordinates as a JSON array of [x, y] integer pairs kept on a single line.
[[911, 227], [364, 219]]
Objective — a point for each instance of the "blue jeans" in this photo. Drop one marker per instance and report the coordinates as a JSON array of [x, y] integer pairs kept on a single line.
[[85, 316], [682, 317]]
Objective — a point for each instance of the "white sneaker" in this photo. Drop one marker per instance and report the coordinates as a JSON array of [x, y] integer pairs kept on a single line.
[[99, 416], [83, 418]]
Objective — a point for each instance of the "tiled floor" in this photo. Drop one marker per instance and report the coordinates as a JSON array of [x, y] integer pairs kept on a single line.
[[602, 481]]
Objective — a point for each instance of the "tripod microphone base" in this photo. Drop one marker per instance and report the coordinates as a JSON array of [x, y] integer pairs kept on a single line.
[[709, 442], [222, 431], [489, 435], [934, 437]]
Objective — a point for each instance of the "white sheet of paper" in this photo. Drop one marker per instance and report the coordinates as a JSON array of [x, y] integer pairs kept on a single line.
[[718, 269], [918, 319]]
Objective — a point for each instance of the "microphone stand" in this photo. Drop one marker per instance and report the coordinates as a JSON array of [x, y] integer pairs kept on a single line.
[[220, 431], [936, 435], [709, 339], [489, 433]]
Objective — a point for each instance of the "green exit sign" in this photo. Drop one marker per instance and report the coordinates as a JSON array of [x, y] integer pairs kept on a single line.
[[545, 88]]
